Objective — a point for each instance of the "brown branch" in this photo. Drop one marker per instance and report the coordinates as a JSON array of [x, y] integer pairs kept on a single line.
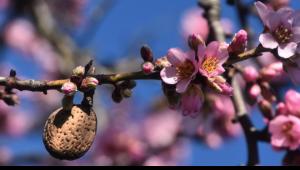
[[246, 123], [44, 85]]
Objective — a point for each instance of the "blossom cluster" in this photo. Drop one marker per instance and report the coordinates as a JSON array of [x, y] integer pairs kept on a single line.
[[204, 62]]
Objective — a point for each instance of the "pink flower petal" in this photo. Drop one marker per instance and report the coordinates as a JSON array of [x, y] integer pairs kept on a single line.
[[175, 56], [287, 50], [277, 142], [296, 34], [212, 49], [263, 11], [275, 124], [268, 41], [182, 85], [223, 56], [168, 75], [201, 52]]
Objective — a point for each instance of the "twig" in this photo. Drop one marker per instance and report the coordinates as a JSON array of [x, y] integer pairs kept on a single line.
[[248, 128]]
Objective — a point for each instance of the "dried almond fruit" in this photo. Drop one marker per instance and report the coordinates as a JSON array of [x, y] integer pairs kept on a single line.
[[69, 134]]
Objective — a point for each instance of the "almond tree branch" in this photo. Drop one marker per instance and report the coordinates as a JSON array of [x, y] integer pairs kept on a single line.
[[246, 123]]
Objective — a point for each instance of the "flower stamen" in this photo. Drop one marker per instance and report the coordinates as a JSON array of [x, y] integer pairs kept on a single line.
[[210, 64], [282, 34], [186, 69]]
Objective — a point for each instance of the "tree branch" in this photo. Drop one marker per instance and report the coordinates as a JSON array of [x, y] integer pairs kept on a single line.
[[248, 127]]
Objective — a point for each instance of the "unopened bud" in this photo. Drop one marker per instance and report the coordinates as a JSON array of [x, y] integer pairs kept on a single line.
[[281, 109], [116, 96], [266, 109], [254, 91], [273, 70], [266, 92], [146, 53], [69, 88], [126, 93], [148, 67], [89, 82], [239, 42], [79, 71], [195, 40], [250, 74]]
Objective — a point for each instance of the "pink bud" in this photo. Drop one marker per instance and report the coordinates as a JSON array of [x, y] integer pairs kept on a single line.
[[272, 71], [250, 74], [254, 91], [281, 109], [89, 82], [195, 40], [239, 42], [69, 88], [148, 67]]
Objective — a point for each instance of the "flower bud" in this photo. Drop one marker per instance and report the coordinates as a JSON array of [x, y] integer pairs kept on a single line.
[[146, 53], [254, 91], [148, 67], [250, 74], [272, 71], [281, 109], [116, 96], [239, 42], [79, 71], [69, 88], [89, 82], [194, 41]]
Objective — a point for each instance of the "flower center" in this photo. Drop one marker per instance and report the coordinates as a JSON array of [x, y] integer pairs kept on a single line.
[[287, 127], [210, 64], [282, 34], [185, 70]]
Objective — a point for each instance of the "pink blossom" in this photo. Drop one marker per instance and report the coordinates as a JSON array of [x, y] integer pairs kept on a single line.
[[161, 129], [213, 140], [283, 29], [250, 74], [20, 34], [192, 100], [223, 106], [211, 59], [285, 132], [292, 101], [239, 42], [194, 23], [182, 70]]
